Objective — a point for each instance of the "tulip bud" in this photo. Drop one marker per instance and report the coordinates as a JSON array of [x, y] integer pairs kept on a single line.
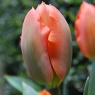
[[85, 29], [46, 45]]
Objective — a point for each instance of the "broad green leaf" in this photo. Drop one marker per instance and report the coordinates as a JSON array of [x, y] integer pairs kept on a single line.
[[17, 83], [86, 87], [28, 90], [91, 87]]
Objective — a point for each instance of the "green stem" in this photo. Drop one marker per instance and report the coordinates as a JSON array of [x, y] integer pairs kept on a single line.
[[55, 91], [61, 88], [91, 88]]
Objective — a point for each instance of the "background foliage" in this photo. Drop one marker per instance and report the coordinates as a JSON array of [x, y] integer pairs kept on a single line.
[[12, 13]]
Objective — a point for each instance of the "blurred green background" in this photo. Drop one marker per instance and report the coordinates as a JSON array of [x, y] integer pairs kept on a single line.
[[12, 13]]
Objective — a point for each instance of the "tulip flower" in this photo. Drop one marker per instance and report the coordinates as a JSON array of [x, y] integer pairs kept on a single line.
[[46, 45], [85, 29]]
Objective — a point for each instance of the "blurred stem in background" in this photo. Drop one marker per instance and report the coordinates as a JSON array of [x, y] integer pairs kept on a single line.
[[55, 91], [1, 78], [91, 88], [62, 87]]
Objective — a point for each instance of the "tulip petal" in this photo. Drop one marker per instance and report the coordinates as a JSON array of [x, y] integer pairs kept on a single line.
[[59, 43], [59, 39], [34, 50], [43, 11]]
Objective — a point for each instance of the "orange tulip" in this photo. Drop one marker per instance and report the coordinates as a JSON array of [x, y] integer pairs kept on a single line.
[[85, 29], [46, 45], [44, 92]]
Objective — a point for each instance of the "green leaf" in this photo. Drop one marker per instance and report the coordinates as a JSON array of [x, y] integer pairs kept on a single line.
[[86, 87], [28, 90], [91, 87], [17, 83]]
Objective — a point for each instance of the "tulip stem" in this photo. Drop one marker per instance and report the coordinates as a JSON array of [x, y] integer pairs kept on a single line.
[[55, 91], [91, 88], [62, 88]]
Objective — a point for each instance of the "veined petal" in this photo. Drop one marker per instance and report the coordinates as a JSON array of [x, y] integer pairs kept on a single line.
[[59, 39], [59, 43], [34, 50], [43, 11]]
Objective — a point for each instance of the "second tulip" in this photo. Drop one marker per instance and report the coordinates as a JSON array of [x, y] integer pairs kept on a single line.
[[85, 29]]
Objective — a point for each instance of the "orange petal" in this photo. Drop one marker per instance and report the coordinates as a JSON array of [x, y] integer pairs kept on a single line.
[[59, 43], [59, 39], [34, 50], [43, 11], [44, 92]]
